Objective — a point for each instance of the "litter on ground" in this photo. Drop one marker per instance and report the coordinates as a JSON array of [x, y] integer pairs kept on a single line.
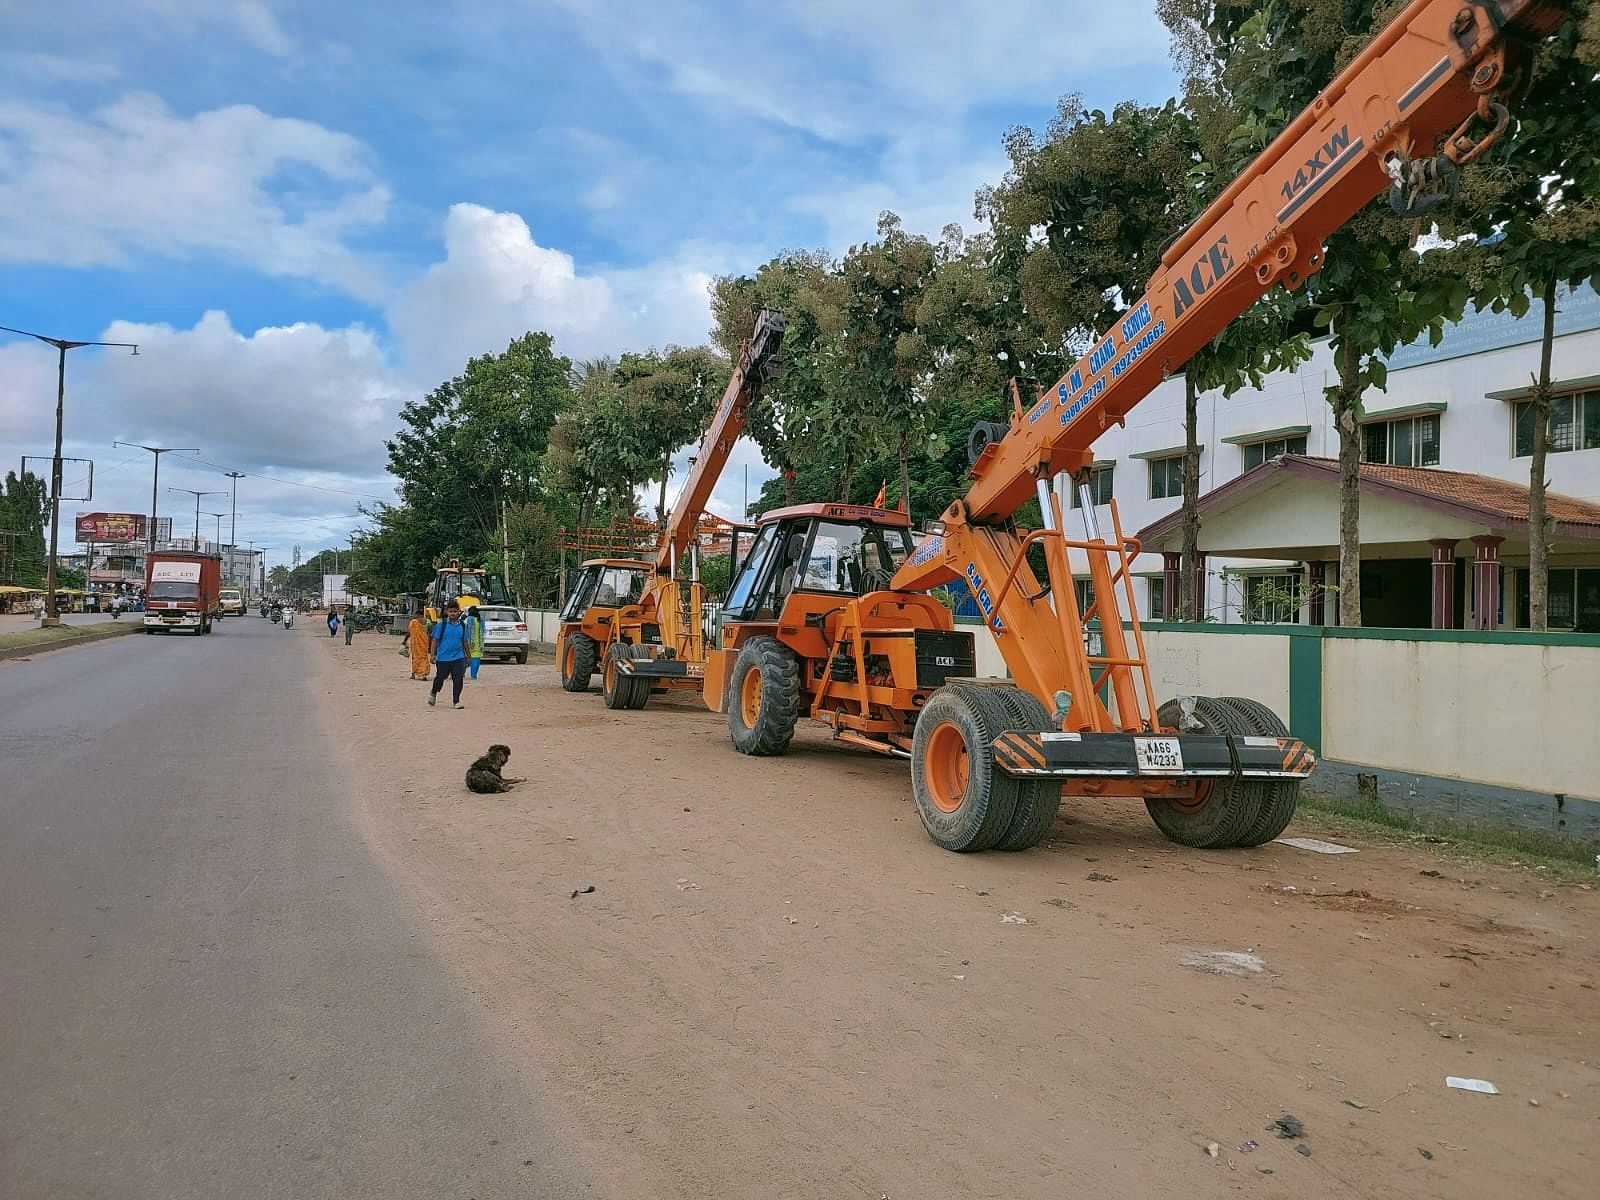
[[1317, 846], [1224, 962], [1471, 1085]]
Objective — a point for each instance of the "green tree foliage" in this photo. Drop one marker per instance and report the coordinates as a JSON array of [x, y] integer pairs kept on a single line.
[[24, 509], [884, 364], [1540, 194], [805, 418]]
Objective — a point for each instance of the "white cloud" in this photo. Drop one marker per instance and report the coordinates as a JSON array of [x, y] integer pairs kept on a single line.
[[294, 398], [134, 178], [496, 282]]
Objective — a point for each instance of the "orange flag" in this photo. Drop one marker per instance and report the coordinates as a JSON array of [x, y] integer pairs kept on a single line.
[[883, 494]]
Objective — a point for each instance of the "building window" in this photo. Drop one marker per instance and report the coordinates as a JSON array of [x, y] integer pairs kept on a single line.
[[1405, 442], [1099, 485], [1272, 599], [1084, 590], [1157, 605], [1573, 601], [1166, 477], [1256, 453], [1574, 423]]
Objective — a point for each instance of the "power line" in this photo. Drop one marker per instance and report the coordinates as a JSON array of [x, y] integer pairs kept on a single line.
[[295, 482]]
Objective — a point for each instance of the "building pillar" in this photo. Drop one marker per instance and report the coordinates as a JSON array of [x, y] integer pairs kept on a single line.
[[1486, 581], [1444, 582], [1316, 586], [1171, 572]]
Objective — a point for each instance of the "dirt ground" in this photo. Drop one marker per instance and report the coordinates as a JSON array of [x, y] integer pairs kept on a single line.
[[780, 988]]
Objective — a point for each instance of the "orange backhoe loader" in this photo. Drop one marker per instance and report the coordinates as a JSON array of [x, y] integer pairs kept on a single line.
[[829, 615], [604, 590]]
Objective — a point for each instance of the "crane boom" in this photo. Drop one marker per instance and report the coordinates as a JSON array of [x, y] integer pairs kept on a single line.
[[1438, 67], [757, 366]]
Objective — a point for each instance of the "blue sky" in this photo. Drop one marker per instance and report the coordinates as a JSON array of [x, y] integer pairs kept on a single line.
[[309, 212]]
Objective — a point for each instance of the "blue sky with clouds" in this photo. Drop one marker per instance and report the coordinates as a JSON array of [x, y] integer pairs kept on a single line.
[[309, 212]]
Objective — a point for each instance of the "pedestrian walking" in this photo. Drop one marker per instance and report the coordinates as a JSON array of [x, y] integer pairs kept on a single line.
[[333, 621], [416, 645], [448, 649], [473, 620], [349, 626]]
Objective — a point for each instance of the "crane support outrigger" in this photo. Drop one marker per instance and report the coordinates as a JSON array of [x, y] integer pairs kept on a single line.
[[880, 663]]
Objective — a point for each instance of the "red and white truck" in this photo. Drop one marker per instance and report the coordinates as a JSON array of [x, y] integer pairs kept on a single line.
[[182, 590]]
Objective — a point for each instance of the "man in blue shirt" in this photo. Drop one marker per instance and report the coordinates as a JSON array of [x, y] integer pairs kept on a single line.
[[449, 648]]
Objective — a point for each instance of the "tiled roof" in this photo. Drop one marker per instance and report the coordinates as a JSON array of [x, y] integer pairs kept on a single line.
[[1507, 501], [1494, 502]]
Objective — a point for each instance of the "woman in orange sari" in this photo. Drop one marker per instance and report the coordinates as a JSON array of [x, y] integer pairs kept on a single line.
[[417, 646]]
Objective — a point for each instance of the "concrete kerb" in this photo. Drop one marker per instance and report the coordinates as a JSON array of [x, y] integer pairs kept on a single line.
[[90, 633]]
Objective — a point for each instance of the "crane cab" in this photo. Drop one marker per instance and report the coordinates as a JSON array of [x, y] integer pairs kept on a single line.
[[604, 588], [813, 599]]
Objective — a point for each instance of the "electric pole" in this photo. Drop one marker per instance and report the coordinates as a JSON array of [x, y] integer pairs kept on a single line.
[[155, 481], [196, 496], [51, 617]]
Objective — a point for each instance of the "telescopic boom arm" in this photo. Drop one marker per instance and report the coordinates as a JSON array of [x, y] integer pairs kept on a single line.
[[1402, 116], [757, 366]]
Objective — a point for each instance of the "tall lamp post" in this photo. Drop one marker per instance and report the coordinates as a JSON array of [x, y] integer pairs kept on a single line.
[[233, 524], [196, 496], [155, 481], [62, 345]]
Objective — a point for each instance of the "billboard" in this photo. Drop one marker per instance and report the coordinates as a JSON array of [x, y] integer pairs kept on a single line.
[[110, 527]]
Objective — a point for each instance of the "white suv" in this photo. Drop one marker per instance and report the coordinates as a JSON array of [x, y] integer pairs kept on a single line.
[[505, 634]]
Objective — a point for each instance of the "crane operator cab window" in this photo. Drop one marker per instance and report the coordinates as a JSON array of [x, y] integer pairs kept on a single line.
[[814, 556], [600, 586]]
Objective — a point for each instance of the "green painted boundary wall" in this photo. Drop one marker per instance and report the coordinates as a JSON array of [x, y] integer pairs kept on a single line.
[[1305, 654]]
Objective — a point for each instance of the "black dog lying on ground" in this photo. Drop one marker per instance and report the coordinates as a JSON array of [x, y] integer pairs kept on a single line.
[[484, 774]]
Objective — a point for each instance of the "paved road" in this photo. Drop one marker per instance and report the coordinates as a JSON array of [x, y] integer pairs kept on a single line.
[[208, 986]]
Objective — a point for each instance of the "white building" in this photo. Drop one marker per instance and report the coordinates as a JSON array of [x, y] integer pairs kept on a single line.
[[1453, 408]]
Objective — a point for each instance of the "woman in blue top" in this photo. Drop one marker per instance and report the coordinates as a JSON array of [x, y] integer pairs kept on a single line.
[[449, 648]]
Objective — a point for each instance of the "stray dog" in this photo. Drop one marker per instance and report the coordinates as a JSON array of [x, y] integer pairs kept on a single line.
[[484, 776]]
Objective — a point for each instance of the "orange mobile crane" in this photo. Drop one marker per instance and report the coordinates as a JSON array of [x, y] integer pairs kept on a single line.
[[829, 614], [655, 641]]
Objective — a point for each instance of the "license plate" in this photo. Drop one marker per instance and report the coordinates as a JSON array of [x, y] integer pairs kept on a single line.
[[1157, 756]]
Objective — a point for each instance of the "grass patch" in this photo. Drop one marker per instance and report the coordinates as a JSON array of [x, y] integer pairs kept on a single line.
[[61, 635], [1505, 845]]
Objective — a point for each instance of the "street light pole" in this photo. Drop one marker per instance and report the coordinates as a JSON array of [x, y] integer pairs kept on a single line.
[[155, 480], [233, 524], [219, 517], [196, 496], [62, 345]]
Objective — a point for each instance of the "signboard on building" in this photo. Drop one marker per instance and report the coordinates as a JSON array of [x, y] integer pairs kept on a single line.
[[1477, 332], [110, 527]]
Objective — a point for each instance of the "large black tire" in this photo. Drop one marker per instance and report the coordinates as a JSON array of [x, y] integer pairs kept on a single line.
[[1038, 800], [522, 658], [578, 662], [965, 801], [762, 713], [1231, 808], [1279, 797]]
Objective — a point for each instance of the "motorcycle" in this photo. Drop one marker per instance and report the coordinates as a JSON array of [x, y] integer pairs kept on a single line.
[[288, 618], [277, 615]]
